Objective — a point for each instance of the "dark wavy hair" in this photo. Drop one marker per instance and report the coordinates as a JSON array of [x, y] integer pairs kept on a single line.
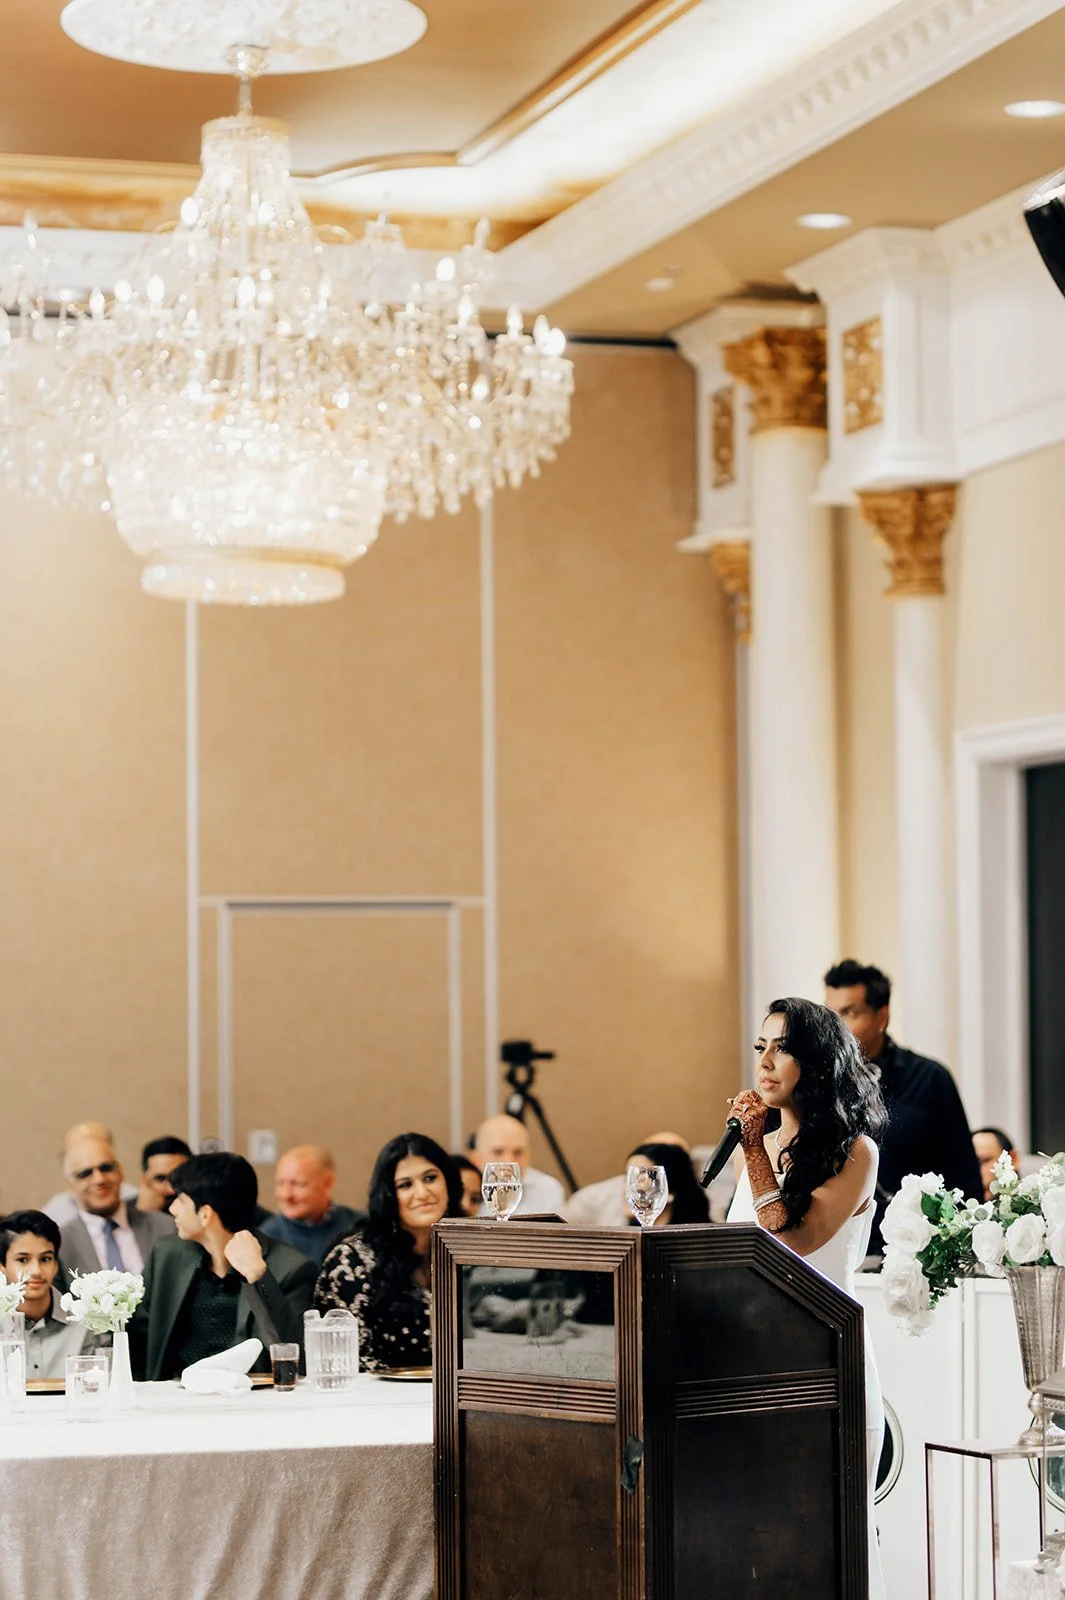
[[689, 1200], [837, 1098], [397, 1259]]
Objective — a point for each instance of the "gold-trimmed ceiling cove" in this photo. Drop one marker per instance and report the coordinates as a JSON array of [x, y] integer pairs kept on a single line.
[[493, 91]]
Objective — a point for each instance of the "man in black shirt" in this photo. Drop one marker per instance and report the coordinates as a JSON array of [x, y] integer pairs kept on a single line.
[[927, 1129], [219, 1282]]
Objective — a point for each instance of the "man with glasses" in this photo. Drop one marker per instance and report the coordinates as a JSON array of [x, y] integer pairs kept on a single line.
[[927, 1129], [107, 1230], [62, 1207]]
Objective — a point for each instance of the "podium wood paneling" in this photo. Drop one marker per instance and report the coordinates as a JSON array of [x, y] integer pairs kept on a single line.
[[738, 1369]]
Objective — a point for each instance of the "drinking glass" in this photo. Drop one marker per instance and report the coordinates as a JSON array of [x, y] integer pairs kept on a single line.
[[87, 1388], [13, 1370], [285, 1360], [647, 1191], [501, 1188]]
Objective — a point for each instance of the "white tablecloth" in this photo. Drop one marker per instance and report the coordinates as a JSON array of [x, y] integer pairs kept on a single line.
[[267, 1496]]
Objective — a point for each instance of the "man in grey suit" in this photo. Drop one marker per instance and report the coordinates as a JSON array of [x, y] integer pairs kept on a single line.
[[106, 1231]]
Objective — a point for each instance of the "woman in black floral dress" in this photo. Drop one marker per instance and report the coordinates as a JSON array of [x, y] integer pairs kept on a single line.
[[381, 1272]]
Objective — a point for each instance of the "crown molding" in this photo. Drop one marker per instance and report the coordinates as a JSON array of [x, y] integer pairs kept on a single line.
[[868, 257], [914, 46], [996, 234]]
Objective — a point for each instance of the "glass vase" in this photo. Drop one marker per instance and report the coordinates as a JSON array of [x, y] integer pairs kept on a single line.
[[121, 1394]]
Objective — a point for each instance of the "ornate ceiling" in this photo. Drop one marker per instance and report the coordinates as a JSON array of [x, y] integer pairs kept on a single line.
[[609, 143]]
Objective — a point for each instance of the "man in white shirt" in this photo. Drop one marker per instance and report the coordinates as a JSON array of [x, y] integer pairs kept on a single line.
[[603, 1204], [62, 1207], [107, 1231], [504, 1138]]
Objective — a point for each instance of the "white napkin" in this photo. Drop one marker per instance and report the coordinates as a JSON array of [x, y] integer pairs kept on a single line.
[[224, 1373]]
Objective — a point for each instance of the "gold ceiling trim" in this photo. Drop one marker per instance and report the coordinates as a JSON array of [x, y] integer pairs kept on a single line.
[[605, 51], [137, 196]]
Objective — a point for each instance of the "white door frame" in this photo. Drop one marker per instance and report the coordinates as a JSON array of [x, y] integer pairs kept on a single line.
[[992, 900]]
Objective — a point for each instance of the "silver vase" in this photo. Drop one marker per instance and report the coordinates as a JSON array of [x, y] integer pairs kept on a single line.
[[1039, 1308]]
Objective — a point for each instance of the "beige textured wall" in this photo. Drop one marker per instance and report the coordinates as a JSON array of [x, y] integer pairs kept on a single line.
[[340, 753], [1010, 660]]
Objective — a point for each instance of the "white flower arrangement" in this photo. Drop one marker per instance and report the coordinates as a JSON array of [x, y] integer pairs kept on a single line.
[[103, 1301], [11, 1296], [933, 1236]]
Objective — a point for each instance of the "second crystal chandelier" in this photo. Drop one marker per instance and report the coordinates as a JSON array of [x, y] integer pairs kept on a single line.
[[250, 406]]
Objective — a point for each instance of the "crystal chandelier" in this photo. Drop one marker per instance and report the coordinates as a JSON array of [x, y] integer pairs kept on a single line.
[[250, 402]]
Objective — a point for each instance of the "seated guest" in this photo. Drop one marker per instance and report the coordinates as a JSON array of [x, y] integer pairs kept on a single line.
[[106, 1231], [382, 1272], [470, 1177], [927, 1129], [63, 1207], [602, 1204], [306, 1217], [218, 1282], [688, 1202], [989, 1144], [29, 1248], [504, 1138], [158, 1160]]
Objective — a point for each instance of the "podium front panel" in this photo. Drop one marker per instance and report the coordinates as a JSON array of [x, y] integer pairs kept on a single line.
[[676, 1414]]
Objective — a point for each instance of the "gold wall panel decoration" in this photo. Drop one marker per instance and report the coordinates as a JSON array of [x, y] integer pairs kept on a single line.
[[911, 524], [863, 375], [732, 563], [723, 436], [785, 370]]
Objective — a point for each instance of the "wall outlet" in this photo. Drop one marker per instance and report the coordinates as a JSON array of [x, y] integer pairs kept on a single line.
[[262, 1147]]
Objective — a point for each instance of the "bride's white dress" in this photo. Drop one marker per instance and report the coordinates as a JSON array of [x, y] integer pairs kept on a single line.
[[838, 1260]]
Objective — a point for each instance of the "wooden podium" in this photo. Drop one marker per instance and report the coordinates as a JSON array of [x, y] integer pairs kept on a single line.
[[677, 1414]]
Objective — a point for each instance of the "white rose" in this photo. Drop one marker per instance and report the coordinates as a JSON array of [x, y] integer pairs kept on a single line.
[[1054, 1205], [1056, 1243], [904, 1229], [1031, 1185], [1026, 1239], [989, 1246], [931, 1183], [906, 1290], [910, 1193]]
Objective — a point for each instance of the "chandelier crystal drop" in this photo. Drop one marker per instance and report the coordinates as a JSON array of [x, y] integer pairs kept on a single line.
[[251, 401]]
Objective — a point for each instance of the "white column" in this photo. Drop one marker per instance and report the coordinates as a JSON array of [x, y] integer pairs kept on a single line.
[[912, 524], [921, 801], [794, 780]]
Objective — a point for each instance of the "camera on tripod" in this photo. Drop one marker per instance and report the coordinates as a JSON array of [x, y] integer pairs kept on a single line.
[[520, 1056]]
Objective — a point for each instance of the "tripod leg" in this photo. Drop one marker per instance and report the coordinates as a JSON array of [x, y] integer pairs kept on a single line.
[[564, 1167]]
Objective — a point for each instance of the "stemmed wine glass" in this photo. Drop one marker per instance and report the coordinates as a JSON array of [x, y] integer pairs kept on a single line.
[[501, 1188], [647, 1191]]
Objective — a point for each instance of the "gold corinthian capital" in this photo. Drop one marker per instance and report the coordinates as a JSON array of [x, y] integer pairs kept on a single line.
[[911, 524], [732, 563], [785, 370]]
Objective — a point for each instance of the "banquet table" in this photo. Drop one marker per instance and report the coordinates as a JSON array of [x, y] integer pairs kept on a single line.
[[262, 1496]]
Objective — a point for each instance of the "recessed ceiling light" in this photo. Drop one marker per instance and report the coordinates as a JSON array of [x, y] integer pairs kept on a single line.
[[660, 285], [1035, 108], [824, 219]]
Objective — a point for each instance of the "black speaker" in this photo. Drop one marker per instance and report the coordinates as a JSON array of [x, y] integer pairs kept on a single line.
[[1045, 215]]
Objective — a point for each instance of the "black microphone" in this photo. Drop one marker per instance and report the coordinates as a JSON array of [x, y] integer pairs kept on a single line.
[[723, 1151]]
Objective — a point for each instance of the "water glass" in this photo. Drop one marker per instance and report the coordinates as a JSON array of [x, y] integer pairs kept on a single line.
[[285, 1360], [86, 1388], [647, 1191], [501, 1188], [13, 1372], [332, 1346]]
